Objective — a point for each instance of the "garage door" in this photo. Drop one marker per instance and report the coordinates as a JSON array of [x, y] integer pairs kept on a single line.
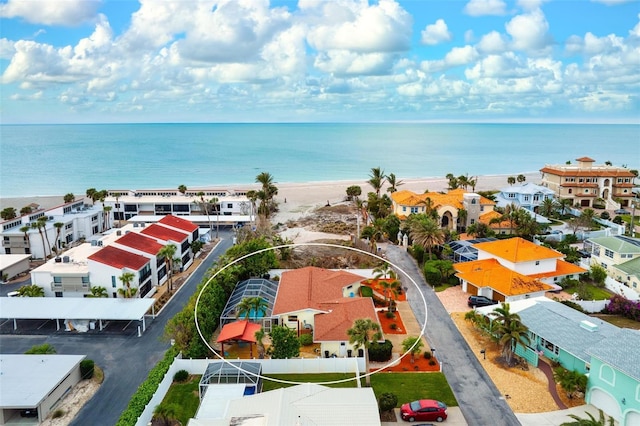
[[606, 403], [632, 418]]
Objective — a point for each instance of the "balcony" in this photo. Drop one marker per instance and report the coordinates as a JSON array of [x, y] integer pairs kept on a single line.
[[71, 287]]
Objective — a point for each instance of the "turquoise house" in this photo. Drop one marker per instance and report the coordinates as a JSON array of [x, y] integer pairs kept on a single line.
[[614, 380]]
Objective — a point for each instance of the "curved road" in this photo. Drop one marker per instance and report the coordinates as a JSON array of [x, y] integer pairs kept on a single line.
[[480, 401], [126, 360]]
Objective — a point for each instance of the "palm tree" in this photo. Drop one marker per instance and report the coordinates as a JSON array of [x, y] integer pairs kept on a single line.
[[564, 204], [31, 291], [259, 335], [394, 183], [363, 332], [384, 271], [243, 309], [426, 232], [216, 205], [98, 292], [510, 331], [58, 226], [182, 189], [462, 218], [25, 230], [91, 193], [127, 292], [463, 181], [548, 207], [26, 210], [266, 194], [205, 206], [43, 221], [37, 225], [413, 345], [117, 195], [253, 198], [69, 197], [251, 306], [376, 179], [521, 178], [168, 252], [453, 181], [480, 230], [591, 421], [8, 213], [511, 180], [107, 214]]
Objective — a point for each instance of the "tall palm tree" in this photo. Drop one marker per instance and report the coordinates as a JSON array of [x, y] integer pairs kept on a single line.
[[453, 181], [563, 205], [377, 179], [91, 193], [31, 291], [463, 181], [266, 194], [107, 214], [42, 220], [216, 206], [413, 345], [253, 198], [182, 189], [384, 271], [361, 334], [258, 306], [37, 225], [259, 335], [69, 197], [591, 421], [480, 230], [511, 180], [510, 331], [117, 195], [25, 229], [58, 226], [463, 214], [426, 232], [394, 183], [548, 207], [168, 252], [521, 178], [205, 206], [243, 309], [98, 292], [126, 278]]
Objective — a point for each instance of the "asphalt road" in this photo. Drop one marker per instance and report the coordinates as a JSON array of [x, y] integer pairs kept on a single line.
[[480, 401], [125, 360]]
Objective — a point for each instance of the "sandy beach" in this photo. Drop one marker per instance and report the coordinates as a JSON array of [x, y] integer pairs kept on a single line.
[[296, 200]]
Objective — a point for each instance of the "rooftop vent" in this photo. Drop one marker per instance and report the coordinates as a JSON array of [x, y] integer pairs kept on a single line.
[[118, 233], [588, 325], [65, 259]]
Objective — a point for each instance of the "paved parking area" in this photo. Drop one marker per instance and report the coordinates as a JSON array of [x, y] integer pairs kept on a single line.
[[454, 299]]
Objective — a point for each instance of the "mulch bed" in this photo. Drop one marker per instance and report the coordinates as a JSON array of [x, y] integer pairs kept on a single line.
[[420, 364], [386, 323], [375, 285]]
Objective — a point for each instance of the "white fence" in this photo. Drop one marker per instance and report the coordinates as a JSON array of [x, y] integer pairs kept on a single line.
[[269, 366]]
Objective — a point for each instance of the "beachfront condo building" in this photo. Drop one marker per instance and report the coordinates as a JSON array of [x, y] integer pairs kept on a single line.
[[585, 182], [43, 232]]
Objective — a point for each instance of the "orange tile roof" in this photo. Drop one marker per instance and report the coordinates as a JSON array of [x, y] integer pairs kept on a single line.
[[308, 287], [118, 258], [490, 273], [489, 216], [340, 316], [518, 250], [586, 159], [164, 234], [140, 242], [574, 172], [452, 198], [178, 222], [562, 268]]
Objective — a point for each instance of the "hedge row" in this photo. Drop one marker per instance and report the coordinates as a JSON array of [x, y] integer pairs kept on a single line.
[[143, 395]]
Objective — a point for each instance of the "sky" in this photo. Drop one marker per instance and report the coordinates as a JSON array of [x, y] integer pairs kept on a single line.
[[106, 61]]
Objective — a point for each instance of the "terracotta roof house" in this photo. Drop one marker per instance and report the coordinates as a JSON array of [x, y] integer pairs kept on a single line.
[[147, 247], [324, 302], [514, 269], [108, 263], [619, 256], [181, 224], [165, 235], [584, 182], [447, 205]]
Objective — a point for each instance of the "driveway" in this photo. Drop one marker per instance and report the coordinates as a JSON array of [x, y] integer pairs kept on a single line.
[[126, 360], [479, 400]]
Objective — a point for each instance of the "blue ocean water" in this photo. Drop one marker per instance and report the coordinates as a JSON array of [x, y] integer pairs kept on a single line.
[[56, 159]]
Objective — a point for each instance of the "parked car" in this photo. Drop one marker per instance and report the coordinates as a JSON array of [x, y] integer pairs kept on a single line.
[[621, 211], [424, 409], [475, 301]]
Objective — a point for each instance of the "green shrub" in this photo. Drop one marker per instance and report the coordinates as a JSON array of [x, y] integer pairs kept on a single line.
[[86, 368], [432, 361], [306, 339], [57, 414], [366, 291], [427, 355], [418, 253], [44, 349], [389, 315], [181, 376], [432, 275], [573, 305], [387, 402], [380, 352], [143, 395], [393, 326]]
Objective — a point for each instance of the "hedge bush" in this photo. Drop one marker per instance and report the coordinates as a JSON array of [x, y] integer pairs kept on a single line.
[[143, 395], [181, 376], [387, 401], [380, 352], [366, 291], [86, 368], [306, 339], [620, 305]]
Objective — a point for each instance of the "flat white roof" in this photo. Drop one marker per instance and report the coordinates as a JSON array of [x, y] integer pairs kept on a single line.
[[26, 380], [216, 398], [7, 260], [195, 218], [77, 308]]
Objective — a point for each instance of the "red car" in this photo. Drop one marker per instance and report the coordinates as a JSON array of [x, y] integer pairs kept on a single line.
[[424, 409]]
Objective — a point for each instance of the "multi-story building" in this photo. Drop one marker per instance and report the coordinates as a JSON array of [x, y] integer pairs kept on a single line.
[[584, 182], [619, 256], [78, 221], [528, 196]]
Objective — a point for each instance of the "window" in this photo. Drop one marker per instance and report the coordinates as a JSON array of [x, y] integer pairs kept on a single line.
[[85, 280], [229, 205], [537, 262], [474, 201], [414, 210], [570, 191], [113, 281], [58, 294], [511, 195], [57, 280], [608, 253], [292, 318], [526, 198]]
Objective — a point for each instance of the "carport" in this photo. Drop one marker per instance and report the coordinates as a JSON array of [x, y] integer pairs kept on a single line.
[[75, 308]]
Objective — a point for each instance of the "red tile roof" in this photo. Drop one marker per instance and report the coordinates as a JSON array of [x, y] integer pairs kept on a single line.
[[140, 242], [518, 250], [164, 234], [239, 330], [179, 223], [308, 287], [119, 259], [490, 273], [340, 316]]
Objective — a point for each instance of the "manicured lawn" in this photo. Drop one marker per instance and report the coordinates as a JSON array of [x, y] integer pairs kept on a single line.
[[268, 385], [411, 386], [597, 293], [406, 386], [619, 321], [184, 396]]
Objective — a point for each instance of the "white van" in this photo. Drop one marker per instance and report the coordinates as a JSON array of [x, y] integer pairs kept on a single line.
[[13, 294]]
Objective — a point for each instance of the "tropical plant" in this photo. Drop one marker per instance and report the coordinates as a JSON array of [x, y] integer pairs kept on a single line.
[[284, 343], [168, 251], [38, 225], [25, 230], [182, 189], [387, 402], [92, 194], [510, 331], [598, 275], [453, 181], [394, 183], [590, 421], [376, 180], [361, 334], [384, 271], [548, 207], [26, 210], [266, 193], [204, 206], [426, 232], [571, 382], [480, 230], [31, 291], [563, 205], [43, 349], [511, 180], [69, 197], [413, 345], [252, 307], [98, 291], [259, 335], [8, 213], [126, 278], [166, 413], [58, 226], [521, 178], [353, 192]]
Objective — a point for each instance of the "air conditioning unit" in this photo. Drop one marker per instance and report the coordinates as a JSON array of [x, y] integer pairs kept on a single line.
[[99, 243], [118, 233]]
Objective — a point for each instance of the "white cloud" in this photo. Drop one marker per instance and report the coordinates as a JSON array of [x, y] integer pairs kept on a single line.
[[494, 42], [529, 32], [436, 33], [531, 4], [455, 57], [485, 7], [51, 12]]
